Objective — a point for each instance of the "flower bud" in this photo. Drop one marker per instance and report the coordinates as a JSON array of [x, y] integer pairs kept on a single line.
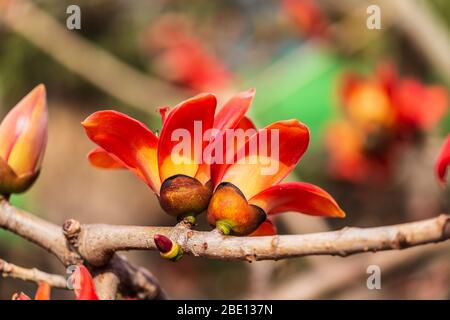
[[231, 213], [168, 249], [182, 196], [23, 137]]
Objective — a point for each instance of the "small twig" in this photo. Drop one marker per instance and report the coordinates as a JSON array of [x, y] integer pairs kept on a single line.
[[32, 275]]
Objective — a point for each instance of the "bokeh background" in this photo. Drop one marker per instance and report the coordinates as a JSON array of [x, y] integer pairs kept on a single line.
[[135, 56]]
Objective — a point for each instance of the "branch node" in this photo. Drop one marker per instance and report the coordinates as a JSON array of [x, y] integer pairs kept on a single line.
[[71, 230]]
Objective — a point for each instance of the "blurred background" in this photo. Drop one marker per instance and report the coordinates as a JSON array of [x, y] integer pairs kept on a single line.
[[375, 101]]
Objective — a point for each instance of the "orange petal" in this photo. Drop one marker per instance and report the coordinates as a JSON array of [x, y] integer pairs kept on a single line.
[[297, 196], [267, 228], [100, 158], [127, 139], [43, 291], [196, 112], [267, 157], [23, 133], [443, 161], [83, 285]]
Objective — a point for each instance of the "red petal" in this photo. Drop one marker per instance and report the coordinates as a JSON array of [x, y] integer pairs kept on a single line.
[[234, 110], [127, 139], [255, 169], [83, 284], [100, 158], [267, 228], [43, 291], [297, 196], [245, 124], [418, 105], [185, 117], [231, 116], [443, 160]]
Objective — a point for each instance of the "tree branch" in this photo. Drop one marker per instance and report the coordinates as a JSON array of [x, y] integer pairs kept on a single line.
[[134, 281], [32, 275], [97, 242]]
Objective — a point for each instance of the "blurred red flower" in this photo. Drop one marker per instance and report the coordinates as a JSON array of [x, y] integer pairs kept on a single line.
[[307, 16], [183, 58], [382, 113]]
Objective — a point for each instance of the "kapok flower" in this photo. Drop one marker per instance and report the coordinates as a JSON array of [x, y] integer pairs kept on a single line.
[[183, 58], [419, 107], [23, 137], [382, 112], [308, 17], [244, 197], [42, 293], [179, 181], [83, 285], [443, 161]]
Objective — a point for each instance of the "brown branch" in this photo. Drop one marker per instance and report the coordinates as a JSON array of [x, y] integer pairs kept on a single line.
[[43, 233], [97, 242], [32, 275], [134, 281]]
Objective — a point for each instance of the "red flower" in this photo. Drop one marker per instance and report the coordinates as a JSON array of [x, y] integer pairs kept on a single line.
[[443, 161], [381, 112], [42, 293], [23, 136], [244, 195], [307, 16], [179, 182], [419, 107], [183, 58]]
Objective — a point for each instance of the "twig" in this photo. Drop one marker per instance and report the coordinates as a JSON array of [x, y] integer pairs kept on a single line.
[[32, 275]]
